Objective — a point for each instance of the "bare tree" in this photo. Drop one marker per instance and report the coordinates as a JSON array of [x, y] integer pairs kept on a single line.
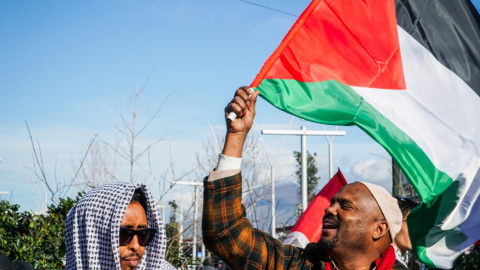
[[100, 167], [101, 162], [130, 131], [56, 188], [255, 176]]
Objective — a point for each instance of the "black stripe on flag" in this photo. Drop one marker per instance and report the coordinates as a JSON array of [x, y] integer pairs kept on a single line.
[[449, 29]]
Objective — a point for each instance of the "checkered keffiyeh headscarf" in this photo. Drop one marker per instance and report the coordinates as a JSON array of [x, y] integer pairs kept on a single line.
[[93, 226]]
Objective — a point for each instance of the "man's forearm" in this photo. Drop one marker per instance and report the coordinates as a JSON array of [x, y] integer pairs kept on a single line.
[[234, 145]]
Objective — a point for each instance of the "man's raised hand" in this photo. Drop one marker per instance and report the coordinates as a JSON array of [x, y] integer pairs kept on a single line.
[[243, 104]]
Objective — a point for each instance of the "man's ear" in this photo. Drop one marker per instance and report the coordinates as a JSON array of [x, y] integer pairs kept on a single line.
[[381, 229]]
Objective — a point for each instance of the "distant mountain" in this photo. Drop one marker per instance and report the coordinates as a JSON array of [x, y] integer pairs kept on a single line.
[[286, 198]]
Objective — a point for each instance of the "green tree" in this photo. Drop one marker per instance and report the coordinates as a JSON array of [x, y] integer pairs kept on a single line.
[[312, 170], [36, 239], [174, 254]]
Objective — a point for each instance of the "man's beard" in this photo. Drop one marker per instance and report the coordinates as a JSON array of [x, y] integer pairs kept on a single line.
[[328, 244], [333, 242]]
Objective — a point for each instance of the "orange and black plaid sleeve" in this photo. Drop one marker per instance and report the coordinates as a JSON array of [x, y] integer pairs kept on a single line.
[[229, 234]]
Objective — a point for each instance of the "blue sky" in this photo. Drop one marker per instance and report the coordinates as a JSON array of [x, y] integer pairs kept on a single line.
[[60, 60]]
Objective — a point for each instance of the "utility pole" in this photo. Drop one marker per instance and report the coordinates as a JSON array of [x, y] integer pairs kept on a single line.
[[272, 177], [272, 182], [195, 214], [330, 152], [197, 183], [162, 209], [304, 133], [180, 227]]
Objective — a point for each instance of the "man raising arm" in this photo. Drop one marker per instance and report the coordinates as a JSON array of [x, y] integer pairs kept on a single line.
[[358, 226]]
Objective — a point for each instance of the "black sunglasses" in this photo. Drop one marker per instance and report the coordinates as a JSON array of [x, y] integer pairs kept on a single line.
[[145, 236]]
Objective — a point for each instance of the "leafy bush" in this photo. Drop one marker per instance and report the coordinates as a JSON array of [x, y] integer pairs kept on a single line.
[[36, 239]]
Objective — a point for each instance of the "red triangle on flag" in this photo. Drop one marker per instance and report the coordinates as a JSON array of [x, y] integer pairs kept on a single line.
[[352, 42]]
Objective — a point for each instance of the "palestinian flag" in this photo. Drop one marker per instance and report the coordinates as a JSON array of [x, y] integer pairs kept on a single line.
[[408, 74], [309, 226]]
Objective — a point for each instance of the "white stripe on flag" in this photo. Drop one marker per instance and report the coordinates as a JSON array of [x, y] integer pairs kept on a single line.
[[439, 111]]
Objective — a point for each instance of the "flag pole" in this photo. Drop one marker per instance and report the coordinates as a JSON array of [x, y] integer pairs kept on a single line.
[[304, 169]]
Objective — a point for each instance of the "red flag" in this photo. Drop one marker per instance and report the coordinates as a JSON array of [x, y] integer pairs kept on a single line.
[[309, 226]]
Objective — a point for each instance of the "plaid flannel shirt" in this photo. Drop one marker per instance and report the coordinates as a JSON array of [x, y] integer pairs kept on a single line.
[[229, 234]]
